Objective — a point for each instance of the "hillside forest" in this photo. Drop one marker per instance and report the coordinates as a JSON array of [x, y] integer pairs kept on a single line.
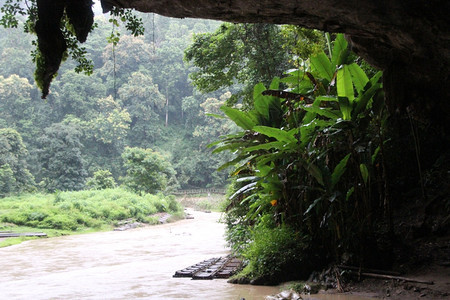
[[138, 96], [290, 120]]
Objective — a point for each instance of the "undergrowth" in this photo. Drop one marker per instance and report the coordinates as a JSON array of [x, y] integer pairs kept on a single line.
[[74, 211], [276, 255]]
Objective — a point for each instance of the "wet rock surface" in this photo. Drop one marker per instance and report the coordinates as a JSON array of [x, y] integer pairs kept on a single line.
[[285, 295]]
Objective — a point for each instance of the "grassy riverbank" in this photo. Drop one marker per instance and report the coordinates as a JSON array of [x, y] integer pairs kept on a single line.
[[65, 213]]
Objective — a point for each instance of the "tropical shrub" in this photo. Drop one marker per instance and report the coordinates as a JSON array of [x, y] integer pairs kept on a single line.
[[62, 165], [277, 254], [101, 180], [311, 157], [147, 171], [83, 209]]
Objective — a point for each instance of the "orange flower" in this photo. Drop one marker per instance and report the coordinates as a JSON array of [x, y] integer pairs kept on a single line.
[[274, 202]]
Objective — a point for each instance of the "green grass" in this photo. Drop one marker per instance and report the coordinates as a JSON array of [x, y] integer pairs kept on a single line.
[[65, 213]]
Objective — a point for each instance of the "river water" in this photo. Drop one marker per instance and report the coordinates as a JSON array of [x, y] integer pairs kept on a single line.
[[133, 264]]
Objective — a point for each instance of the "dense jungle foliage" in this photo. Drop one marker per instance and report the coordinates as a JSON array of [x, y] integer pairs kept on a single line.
[[309, 165], [317, 177], [138, 96]]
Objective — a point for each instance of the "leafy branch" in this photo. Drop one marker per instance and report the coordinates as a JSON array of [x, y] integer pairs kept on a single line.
[[60, 28]]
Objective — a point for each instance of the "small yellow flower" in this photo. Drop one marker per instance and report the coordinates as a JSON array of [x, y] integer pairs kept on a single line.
[[274, 202]]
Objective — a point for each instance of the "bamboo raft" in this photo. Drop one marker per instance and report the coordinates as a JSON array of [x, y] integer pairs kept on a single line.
[[222, 267], [8, 234]]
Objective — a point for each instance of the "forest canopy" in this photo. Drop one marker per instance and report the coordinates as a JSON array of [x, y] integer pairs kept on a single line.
[[138, 96]]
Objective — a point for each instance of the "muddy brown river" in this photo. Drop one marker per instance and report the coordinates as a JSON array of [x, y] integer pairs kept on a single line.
[[133, 264]]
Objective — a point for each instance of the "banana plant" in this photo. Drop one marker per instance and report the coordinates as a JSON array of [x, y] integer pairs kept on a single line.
[[304, 153]]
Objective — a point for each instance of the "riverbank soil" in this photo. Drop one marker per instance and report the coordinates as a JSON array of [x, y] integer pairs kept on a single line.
[[401, 289]]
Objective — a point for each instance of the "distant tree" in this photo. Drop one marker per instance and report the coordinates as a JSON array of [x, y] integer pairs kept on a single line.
[[104, 136], [195, 164], [15, 48], [120, 62], [76, 94], [242, 54], [7, 180], [212, 128], [14, 174], [112, 122], [147, 171], [170, 72], [101, 180], [190, 106], [62, 167], [302, 43], [15, 99], [143, 102]]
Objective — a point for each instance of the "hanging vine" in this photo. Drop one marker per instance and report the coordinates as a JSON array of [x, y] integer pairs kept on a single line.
[[61, 26]]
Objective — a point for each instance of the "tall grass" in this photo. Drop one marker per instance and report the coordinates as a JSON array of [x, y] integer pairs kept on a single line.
[[82, 210]]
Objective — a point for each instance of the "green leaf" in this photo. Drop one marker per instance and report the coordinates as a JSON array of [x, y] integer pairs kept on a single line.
[[263, 170], [365, 96], [349, 193], [248, 178], [364, 173], [359, 77], [230, 147], [339, 51], [261, 103], [268, 158], [322, 65], [346, 108], [372, 87], [375, 78], [275, 84], [316, 173], [313, 205], [279, 134], [344, 83], [241, 119], [339, 171], [327, 98], [232, 162], [309, 116], [322, 111], [246, 188], [375, 154], [265, 146], [302, 84], [257, 90], [307, 130], [214, 143]]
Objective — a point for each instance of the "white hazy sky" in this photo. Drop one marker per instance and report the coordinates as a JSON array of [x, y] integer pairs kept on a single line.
[[97, 8]]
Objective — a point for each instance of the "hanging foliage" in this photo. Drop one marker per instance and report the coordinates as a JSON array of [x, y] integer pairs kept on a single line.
[[60, 27]]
